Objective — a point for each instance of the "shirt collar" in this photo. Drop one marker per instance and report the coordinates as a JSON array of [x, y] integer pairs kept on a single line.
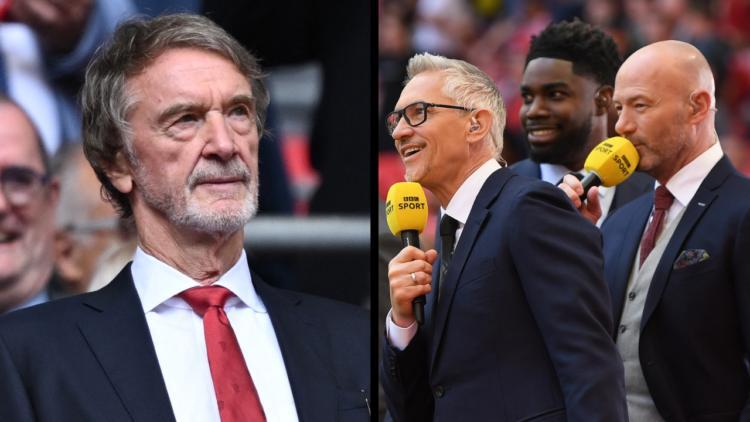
[[688, 179], [552, 173], [461, 203], [157, 282]]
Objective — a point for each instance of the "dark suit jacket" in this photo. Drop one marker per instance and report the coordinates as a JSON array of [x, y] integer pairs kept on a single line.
[[90, 358], [522, 331], [695, 331], [633, 187]]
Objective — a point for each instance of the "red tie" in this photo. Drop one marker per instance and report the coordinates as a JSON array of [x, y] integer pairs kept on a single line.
[[235, 392], [662, 201]]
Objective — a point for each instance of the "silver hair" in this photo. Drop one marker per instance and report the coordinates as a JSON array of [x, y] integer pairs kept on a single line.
[[106, 99], [469, 87]]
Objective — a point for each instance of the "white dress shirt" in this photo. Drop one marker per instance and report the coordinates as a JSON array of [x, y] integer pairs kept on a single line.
[[459, 208], [552, 173], [177, 332], [685, 183]]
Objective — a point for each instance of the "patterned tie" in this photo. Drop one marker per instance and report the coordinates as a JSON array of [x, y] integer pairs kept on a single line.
[[662, 201], [235, 392], [448, 226]]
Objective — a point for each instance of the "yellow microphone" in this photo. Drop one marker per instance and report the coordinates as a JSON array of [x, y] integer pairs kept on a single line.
[[406, 210], [609, 164]]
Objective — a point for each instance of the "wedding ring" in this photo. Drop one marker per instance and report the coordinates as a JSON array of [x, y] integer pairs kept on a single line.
[[413, 277]]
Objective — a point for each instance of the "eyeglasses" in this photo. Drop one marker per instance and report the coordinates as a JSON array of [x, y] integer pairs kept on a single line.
[[21, 185], [415, 114]]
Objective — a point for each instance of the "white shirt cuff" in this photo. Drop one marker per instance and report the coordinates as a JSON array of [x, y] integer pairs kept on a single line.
[[397, 336]]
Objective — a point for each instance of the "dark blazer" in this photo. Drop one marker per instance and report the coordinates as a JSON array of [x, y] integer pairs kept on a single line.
[[695, 331], [522, 331], [91, 358], [633, 187]]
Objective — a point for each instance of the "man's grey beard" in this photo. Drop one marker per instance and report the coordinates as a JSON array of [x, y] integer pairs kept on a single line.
[[181, 208]]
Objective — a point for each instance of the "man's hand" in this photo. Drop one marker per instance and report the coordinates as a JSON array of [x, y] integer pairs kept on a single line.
[[573, 188], [59, 24], [403, 290]]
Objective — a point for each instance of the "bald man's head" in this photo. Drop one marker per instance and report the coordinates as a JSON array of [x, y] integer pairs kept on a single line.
[[676, 63], [665, 96]]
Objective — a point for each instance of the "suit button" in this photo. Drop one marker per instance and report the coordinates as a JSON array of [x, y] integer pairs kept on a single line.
[[631, 296], [622, 328], [439, 391]]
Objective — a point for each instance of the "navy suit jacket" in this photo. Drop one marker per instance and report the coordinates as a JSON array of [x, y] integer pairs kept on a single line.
[[695, 331], [633, 187], [523, 328], [91, 358]]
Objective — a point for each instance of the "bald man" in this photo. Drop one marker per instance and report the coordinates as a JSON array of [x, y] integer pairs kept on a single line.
[[676, 260]]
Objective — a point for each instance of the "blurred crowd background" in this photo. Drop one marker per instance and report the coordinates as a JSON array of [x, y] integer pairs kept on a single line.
[[495, 35], [313, 172]]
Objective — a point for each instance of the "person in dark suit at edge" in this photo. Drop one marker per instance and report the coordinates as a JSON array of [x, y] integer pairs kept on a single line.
[[676, 259], [567, 90], [173, 109], [518, 325]]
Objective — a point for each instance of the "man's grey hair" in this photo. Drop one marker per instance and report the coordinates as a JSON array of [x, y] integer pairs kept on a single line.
[[107, 100], [469, 87]]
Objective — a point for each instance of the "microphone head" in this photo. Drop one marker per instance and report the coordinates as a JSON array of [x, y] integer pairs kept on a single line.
[[406, 207], [614, 160]]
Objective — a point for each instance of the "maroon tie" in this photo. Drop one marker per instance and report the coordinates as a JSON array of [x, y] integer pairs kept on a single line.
[[235, 392], [662, 201]]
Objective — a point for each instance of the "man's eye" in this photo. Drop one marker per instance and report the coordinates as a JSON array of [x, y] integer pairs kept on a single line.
[[619, 109], [639, 106], [186, 118], [556, 94], [240, 111], [527, 98]]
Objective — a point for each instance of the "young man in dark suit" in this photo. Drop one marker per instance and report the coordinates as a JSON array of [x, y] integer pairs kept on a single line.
[[676, 261], [516, 323], [567, 90], [173, 111]]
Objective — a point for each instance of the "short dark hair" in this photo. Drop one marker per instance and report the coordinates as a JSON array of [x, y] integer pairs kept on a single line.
[[43, 154], [593, 53], [106, 99]]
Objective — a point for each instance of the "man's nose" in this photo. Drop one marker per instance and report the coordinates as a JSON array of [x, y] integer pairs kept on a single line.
[[403, 131], [537, 109], [220, 139], [625, 124]]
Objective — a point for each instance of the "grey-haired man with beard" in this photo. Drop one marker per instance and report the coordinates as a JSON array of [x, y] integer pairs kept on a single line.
[[173, 109]]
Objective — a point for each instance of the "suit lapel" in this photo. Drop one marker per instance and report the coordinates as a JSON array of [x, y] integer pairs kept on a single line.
[[618, 281], [305, 347], [120, 339], [490, 190], [705, 195]]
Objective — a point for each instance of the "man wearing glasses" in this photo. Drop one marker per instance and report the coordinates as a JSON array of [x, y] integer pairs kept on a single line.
[[27, 213], [518, 319]]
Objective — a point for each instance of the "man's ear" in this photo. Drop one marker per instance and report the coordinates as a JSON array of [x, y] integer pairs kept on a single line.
[[700, 102], [603, 99], [479, 125], [120, 173]]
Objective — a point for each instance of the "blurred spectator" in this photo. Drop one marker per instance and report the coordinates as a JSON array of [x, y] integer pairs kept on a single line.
[[86, 224], [27, 210], [111, 262], [44, 48]]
